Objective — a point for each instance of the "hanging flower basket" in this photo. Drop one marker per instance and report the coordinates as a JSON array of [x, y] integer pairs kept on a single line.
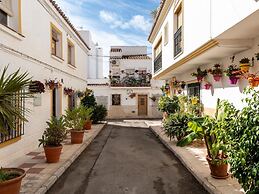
[[216, 72], [207, 86], [233, 80], [52, 84], [69, 91], [153, 98], [245, 65], [200, 74], [132, 95], [36, 87]]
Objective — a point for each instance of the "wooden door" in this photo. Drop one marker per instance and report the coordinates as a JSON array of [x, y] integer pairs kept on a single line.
[[142, 105]]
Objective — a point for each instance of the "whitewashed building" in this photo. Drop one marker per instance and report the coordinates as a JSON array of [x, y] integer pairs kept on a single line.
[[200, 33], [37, 37], [130, 92]]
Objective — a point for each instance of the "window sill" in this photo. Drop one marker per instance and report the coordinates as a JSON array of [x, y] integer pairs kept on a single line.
[[178, 55], [57, 58], [12, 141], [71, 66], [11, 32]]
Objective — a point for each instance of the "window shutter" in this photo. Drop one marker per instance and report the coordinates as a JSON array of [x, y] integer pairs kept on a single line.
[[6, 6]]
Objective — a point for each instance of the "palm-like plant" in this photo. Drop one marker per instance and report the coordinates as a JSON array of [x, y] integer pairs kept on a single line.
[[11, 87]]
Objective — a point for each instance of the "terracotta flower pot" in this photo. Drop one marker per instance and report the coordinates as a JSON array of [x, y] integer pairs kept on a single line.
[[77, 137], [245, 67], [53, 153], [217, 77], [12, 186], [233, 80], [88, 125], [218, 171]]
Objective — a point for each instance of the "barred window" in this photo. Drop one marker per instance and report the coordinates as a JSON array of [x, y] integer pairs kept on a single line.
[[19, 124]]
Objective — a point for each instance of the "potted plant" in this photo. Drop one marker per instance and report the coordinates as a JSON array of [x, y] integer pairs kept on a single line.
[[52, 84], [75, 122], [153, 98], [245, 64], [52, 138], [87, 115], [80, 94], [233, 72], [257, 56], [10, 86], [216, 72], [168, 105], [36, 87], [207, 86], [213, 131], [132, 95], [253, 80], [68, 91], [200, 74]]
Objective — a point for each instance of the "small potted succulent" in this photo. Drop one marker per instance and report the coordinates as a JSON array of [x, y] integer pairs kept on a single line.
[[257, 56], [75, 121], [36, 87], [245, 64], [52, 138], [216, 72], [200, 74], [87, 114], [233, 72], [207, 86]]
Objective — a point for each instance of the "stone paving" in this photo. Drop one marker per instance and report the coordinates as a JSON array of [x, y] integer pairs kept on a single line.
[[193, 158], [40, 176]]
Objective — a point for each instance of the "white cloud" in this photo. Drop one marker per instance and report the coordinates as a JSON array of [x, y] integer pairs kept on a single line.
[[137, 22]]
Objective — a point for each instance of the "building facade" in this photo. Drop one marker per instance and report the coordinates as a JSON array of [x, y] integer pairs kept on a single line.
[[187, 35], [37, 37], [130, 92]]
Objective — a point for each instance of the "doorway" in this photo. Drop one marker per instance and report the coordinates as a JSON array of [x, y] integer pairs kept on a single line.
[[142, 105]]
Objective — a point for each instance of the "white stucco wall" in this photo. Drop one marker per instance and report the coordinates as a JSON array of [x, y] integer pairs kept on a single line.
[[31, 52]]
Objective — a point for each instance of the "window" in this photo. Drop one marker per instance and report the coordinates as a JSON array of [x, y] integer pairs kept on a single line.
[[166, 34], [19, 125], [178, 35], [116, 99], [56, 42], [158, 48], [70, 53], [71, 101], [158, 56], [194, 89], [3, 18]]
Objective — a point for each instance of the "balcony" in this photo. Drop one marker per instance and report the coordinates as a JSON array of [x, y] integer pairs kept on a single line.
[[158, 63], [178, 42], [132, 81]]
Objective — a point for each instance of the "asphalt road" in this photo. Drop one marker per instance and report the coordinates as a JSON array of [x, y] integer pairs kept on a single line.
[[126, 160]]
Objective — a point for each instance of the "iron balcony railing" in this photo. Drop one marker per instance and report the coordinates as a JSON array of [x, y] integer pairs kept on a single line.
[[178, 42], [158, 63]]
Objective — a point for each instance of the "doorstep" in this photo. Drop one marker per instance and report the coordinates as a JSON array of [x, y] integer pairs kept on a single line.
[[193, 158], [40, 176]]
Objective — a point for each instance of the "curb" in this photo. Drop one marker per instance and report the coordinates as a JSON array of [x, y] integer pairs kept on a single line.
[[202, 180], [47, 185]]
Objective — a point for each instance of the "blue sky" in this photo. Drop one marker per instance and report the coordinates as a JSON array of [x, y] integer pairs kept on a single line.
[[112, 22]]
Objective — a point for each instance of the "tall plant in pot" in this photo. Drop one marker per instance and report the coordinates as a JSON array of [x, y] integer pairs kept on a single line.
[[52, 138], [11, 88], [233, 72], [75, 122], [217, 72], [214, 133], [87, 115]]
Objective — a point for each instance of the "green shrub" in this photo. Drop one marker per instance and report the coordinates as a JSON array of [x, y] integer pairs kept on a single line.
[[176, 125], [75, 118], [244, 141], [168, 105], [89, 101], [55, 133], [99, 113]]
